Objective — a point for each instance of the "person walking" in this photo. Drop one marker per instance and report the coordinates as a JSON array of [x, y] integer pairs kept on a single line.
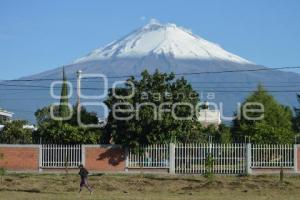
[[83, 172]]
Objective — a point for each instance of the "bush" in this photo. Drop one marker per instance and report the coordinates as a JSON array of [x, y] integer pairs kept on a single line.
[[14, 133]]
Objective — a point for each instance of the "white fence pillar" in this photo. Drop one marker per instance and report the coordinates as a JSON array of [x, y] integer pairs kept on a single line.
[[83, 155], [295, 158], [172, 158], [248, 157], [40, 158]]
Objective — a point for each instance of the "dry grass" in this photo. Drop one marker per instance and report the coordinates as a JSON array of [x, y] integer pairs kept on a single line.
[[121, 187]]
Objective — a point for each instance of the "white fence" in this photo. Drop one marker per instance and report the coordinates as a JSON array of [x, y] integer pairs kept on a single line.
[[272, 156], [184, 158], [61, 156], [151, 156], [224, 158]]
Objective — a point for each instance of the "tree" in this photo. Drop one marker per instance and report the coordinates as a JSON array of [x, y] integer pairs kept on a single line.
[[225, 134], [218, 134], [275, 125], [69, 132], [54, 132], [43, 116], [14, 133], [145, 124], [296, 120], [63, 109], [86, 117]]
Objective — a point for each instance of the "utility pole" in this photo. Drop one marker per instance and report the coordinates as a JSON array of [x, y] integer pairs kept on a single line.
[[78, 89]]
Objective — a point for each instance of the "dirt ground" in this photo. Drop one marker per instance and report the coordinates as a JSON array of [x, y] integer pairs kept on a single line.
[[145, 186]]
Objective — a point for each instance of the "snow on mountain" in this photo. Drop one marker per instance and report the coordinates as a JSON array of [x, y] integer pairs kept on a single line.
[[159, 39]]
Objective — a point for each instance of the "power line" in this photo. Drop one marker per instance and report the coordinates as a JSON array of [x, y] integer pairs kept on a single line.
[[40, 87], [242, 70], [47, 88], [101, 89], [242, 82], [177, 74], [207, 91]]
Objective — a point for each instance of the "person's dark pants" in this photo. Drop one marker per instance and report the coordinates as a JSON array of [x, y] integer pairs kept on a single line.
[[84, 183]]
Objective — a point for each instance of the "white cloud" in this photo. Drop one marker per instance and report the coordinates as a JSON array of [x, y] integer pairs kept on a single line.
[[143, 18]]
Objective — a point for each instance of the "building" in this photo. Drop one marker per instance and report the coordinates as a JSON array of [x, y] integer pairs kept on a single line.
[[209, 117], [5, 115]]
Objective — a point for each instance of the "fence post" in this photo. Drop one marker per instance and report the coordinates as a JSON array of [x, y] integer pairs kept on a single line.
[[83, 154], [248, 157], [40, 157], [295, 158], [172, 159]]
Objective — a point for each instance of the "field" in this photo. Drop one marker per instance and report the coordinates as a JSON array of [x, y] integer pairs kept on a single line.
[[144, 186]]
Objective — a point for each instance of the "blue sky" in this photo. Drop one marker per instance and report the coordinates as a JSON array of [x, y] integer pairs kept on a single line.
[[39, 35]]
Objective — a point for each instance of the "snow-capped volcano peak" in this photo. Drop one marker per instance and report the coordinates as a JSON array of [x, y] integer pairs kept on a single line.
[[162, 39]]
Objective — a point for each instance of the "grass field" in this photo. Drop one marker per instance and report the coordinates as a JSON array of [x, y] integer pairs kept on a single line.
[[156, 187]]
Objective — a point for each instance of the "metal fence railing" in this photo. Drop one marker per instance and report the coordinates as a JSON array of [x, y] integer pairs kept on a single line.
[[224, 158], [61, 156], [187, 158], [268, 156], [151, 156]]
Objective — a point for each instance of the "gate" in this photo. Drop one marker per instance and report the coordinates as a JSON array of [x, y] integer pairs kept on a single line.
[[224, 158], [61, 156]]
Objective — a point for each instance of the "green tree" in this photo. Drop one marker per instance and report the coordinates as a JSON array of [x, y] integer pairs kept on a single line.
[[148, 126], [14, 133], [219, 134], [275, 125], [296, 120], [225, 134], [43, 116], [86, 117], [63, 109], [69, 132]]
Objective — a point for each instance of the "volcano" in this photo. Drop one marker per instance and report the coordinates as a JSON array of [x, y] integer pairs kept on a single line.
[[218, 75]]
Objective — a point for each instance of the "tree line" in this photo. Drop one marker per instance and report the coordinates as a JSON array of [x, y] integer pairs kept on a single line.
[[278, 124]]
